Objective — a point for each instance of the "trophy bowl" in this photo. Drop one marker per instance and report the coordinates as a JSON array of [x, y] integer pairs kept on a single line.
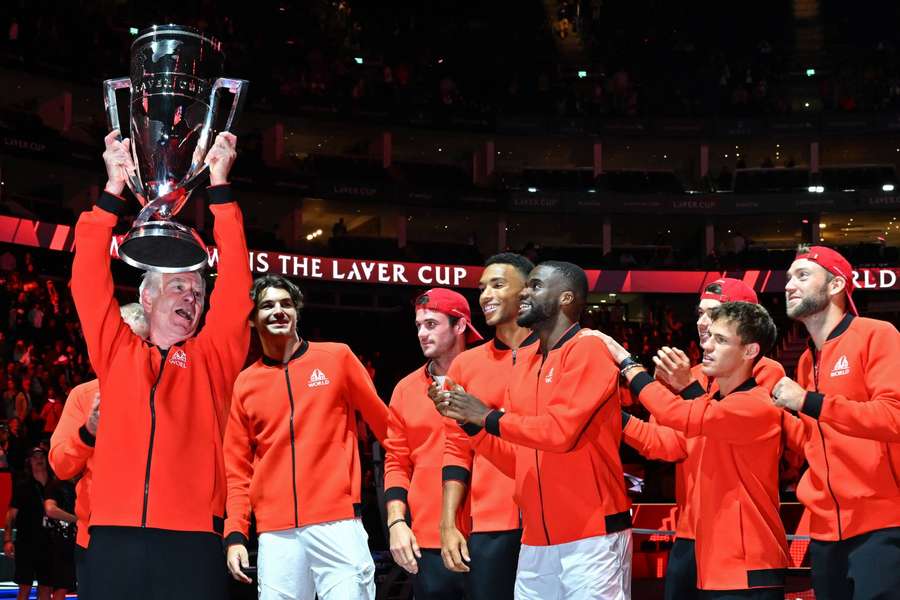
[[174, 87]]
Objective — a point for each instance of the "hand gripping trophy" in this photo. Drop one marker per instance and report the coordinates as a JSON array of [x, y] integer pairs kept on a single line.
[[175, 92]]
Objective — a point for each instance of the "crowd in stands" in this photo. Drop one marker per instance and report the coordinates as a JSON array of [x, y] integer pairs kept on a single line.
[[640, 58], [42, 357]]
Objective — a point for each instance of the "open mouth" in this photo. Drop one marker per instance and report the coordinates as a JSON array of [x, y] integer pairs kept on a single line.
[[707, 359], [185, 314], [524, 306], [490, 308]]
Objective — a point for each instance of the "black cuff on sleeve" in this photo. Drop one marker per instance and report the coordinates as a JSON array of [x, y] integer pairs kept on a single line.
[[625, 417], [492, 422], [639, 382], [454, 473], [111, 203], [219, 194], [86, 436], [236, 537], [812, 404], [395, 493], [471, 429], [695, 390]]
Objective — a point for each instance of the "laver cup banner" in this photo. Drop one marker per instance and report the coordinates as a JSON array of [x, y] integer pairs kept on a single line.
[[51, 236], [175, 87]]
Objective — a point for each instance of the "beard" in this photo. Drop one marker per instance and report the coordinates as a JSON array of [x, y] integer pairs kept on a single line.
[[810, 305], [537, 314]]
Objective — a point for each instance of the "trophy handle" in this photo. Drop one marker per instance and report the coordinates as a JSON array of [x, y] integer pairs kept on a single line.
[[239, 88], [110, 87]]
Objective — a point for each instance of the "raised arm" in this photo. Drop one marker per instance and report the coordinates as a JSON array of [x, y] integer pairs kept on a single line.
[[739, 418], [92, 282], [226, 331], [652, 440], [587, 384]]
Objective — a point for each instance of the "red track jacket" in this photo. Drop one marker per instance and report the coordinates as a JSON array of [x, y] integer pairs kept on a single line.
[[158, 459]]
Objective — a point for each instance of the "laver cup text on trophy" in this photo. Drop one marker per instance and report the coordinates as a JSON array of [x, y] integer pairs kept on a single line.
[[175, 91]]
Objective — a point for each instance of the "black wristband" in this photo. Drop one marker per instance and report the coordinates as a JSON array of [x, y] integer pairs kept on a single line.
[[395, 521]]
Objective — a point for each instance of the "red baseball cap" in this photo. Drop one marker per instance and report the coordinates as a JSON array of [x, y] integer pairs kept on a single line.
[[837, 265], [733, 290], [452, 304]]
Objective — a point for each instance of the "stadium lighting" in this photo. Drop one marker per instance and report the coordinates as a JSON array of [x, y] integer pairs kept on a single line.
[[133, 30], [888, 187], [358, 60], [810, 72], [532, 189], [816, 189], [582, 74]]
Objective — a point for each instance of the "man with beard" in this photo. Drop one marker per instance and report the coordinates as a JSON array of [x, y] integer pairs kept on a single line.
[[414, 448], [158, 490], [559, 437], [492, 551], [847, 396], [655, 441], [292, 458]]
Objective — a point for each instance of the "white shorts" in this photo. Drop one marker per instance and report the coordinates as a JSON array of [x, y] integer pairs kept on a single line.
[[331, 560], [594, 568]]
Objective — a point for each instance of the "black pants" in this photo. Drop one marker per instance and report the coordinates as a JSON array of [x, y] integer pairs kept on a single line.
[[495, 558], [681, 572], [80, 555], [864, 567], [150, 564], [757, 594], [434, 581]]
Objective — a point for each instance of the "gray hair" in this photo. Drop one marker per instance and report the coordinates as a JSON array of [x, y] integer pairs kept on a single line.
[[134, 317], [152, 282]]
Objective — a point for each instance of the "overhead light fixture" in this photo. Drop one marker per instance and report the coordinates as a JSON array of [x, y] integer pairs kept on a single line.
[[532, 189], [358, 60], [810, 72], [582, 74], [888, 187]]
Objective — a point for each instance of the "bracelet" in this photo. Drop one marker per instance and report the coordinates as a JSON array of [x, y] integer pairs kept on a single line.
[[630, 367], [395, 521], [627, 364]]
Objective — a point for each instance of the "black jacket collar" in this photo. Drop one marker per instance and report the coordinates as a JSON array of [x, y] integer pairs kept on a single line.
[[838, 330], [744, 387], [532, 338], [568, 335], [271, 362]]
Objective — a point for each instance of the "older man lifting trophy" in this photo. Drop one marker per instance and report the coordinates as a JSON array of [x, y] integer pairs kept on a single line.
[[175, 92]]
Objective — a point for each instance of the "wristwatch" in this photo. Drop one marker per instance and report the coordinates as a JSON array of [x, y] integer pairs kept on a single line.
[[629, 362]]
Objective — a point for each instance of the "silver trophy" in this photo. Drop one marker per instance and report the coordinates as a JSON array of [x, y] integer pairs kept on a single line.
[[174, 87]]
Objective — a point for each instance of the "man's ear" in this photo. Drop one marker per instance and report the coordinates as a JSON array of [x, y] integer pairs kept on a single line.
[[566, 297], [751, 351], [146, 301], [837, 286], [461, 326]]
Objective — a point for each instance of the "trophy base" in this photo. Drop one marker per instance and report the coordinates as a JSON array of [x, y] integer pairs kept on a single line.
[[163, 247]]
